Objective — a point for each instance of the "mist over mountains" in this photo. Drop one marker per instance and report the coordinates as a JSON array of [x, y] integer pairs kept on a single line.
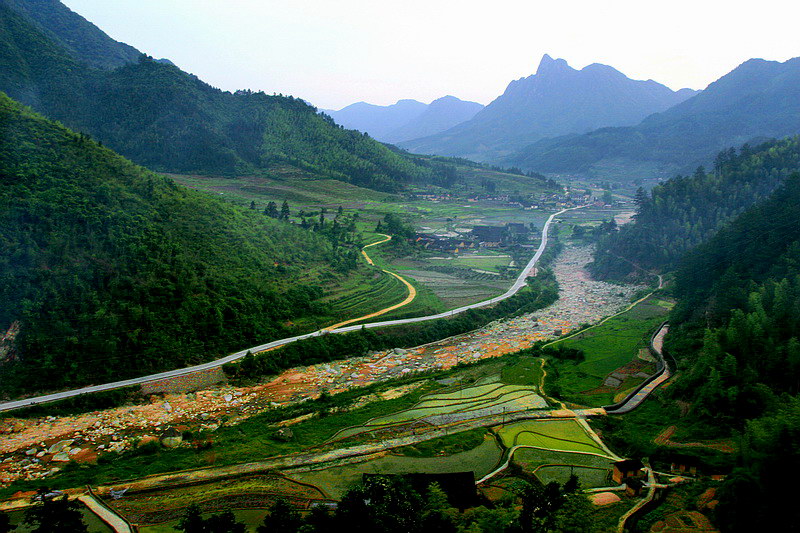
[[406, 119], [557, 100], [756, 101]]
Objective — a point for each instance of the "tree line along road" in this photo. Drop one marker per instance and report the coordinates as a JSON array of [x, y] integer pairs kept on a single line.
[[518, 284]]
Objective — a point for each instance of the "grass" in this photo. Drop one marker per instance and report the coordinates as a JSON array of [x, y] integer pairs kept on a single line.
[[527, 371], [589, 477], [449, 445], [562, 435], [607, 347]]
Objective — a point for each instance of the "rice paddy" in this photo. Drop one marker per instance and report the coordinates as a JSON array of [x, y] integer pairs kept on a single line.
[[459, 405], [560, 435], [335, 481], [547, 465]]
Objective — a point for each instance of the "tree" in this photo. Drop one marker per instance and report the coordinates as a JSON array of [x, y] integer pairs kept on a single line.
[[271, 210], [53, 514], [285, 210], [253, 205], [5, 523], [193, 522], [282, 518]]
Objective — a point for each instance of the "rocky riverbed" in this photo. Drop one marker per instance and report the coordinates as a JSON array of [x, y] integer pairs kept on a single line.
[[36, 448]]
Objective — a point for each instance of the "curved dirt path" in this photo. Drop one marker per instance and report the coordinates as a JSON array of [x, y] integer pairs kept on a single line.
[[412, 292]]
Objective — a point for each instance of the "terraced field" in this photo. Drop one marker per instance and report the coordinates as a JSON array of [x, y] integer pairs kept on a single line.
[[548, 465], [560, 435], [457, 405], [335, 481]]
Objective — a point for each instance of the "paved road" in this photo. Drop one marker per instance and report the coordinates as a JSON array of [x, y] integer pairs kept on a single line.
[[632, 402], [515, 287]]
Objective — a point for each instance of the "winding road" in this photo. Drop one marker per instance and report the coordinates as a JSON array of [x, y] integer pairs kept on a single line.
[[518, 284]]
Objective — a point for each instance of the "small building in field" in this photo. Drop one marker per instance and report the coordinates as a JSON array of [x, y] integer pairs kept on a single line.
[[627, 469], [633, 487]]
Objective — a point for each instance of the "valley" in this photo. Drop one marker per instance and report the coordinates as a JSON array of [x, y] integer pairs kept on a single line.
[[566, 301]]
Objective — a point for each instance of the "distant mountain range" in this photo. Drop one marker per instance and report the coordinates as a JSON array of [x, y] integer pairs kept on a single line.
[[407, 119], [557, 100], [756, 101], [152, 112]]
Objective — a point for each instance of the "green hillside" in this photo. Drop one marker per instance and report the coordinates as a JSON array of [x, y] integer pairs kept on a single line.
[[166, 119], [686, 211], [115, 271], [735, 333], [82, 39]]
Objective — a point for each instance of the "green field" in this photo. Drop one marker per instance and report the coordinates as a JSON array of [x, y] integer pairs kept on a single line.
[[334, 481], [457, 405], [607, 347], [548, 465], [562, 435]]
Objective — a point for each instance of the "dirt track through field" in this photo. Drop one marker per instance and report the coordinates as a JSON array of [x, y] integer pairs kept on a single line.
[[663, 439], [412, 292]]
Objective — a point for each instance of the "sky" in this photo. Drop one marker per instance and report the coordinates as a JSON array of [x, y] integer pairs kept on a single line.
[[332, 53]]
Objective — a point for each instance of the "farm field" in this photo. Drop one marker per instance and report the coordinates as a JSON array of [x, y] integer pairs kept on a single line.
[[334, 481], [608, 348], [458, 405], [560, 435], [160, 508], [548, 465]]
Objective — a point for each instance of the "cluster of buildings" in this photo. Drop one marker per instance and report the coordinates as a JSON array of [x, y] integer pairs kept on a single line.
[[479, 237]]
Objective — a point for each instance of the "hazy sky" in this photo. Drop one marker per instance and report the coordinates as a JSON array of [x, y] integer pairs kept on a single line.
[[336, 52]]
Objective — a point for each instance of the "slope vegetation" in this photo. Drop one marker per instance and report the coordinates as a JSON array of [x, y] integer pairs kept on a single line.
[[168, 120], [686, 211], [114, 271]]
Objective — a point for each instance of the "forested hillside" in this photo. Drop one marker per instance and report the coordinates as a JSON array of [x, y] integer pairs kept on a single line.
[[735, 333], [82, 39], [686, 211], [115, 271], [168, 120], [758, 100]]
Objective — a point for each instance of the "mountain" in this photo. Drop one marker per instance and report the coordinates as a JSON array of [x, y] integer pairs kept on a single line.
[[557, 100], [159, 116], [82, 39], [440, 115], [378, 120], [686, 211], [756, 101], [114, 271]]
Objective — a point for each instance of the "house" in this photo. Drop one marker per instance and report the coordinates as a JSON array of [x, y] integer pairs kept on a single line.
[[489, 236], [633, 487], [684, 464], [627, 469]]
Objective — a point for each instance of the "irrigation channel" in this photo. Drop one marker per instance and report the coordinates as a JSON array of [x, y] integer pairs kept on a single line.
[[518, 284]]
